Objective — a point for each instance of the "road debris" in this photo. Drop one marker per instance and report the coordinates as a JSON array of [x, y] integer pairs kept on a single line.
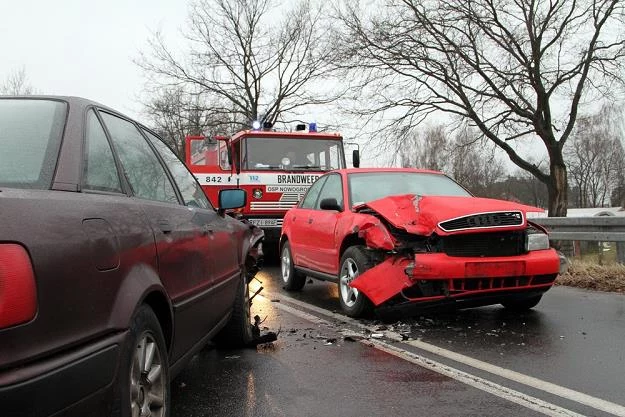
[[259, 339]]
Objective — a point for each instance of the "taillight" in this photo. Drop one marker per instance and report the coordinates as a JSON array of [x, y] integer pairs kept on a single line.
[[18, 294]]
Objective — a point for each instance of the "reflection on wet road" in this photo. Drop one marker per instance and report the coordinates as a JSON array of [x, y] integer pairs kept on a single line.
[[573, 340]]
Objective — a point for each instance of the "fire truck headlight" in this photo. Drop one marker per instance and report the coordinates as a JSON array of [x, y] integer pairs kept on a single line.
[[256, 125], [257, 193]]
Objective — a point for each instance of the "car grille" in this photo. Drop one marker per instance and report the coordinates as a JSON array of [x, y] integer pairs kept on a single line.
[[476, 221], [485, 244]]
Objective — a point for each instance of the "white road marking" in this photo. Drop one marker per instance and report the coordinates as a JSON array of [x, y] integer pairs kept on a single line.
[[563, 392], [474, 381]]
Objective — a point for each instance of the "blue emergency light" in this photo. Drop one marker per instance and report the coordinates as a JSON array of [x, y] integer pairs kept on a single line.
[[312, 127]]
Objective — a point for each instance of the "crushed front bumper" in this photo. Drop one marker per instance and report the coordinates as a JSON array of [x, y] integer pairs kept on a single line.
[[439, 278]]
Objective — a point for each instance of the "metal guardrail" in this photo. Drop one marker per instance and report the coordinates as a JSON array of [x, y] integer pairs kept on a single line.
[[597, 229]]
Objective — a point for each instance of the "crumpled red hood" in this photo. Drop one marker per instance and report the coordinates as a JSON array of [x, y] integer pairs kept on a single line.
[[421, 214]]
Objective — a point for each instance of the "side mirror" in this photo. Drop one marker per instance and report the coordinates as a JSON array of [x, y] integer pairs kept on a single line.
[[231, 199], [356, 158], [330, 204]]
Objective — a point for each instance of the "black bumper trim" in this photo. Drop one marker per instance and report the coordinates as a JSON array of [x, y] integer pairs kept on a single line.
[[62, 387], [409, 308]]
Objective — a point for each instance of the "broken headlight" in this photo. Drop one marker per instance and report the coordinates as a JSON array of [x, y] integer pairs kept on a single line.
[[536, 240]]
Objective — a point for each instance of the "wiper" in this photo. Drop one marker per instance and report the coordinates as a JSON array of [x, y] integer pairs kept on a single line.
[[264, 166], [307, 167]]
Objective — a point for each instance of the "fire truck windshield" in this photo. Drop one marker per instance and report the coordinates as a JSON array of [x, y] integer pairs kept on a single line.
[[292, 154]]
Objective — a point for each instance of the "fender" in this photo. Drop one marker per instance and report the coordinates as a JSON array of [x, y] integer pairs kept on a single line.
[[371, 229], [140, 284], [251, 250]]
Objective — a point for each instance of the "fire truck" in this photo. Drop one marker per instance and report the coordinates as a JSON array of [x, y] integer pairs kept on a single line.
[[275, 168]]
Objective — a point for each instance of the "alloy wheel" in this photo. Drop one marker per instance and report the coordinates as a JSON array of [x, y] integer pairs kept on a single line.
[[349, 271], [147, 381], [285, 264]]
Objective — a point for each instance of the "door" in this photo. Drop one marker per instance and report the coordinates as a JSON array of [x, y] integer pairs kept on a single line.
[[181, 232], [300, 222], [220, 241], [322, 227]]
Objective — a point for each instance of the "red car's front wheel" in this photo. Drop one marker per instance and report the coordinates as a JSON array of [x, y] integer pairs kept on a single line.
[[354, 262]]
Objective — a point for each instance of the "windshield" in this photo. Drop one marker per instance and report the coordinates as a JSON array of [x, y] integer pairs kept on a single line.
[[291, 154], [369, 186], [30, 136]]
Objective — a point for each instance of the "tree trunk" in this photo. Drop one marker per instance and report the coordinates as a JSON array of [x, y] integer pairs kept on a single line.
[[557, 189]]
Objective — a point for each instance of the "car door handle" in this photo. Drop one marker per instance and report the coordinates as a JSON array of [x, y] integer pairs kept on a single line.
[[165, 226], [207, 230], [310, 220]]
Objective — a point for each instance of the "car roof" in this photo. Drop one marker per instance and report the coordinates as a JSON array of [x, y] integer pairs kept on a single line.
[[380, 170], [73, 101]]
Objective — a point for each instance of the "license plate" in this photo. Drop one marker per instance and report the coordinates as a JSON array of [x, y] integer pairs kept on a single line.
[[264, 222], [495, 269]]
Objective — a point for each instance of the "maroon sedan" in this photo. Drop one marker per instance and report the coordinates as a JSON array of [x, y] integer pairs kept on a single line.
[[114, 267]]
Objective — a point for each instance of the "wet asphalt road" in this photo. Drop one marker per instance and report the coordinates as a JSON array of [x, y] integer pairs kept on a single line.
[[574, 339]]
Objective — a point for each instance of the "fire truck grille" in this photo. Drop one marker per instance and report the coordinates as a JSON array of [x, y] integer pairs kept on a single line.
[[287, 201], [477, 221]]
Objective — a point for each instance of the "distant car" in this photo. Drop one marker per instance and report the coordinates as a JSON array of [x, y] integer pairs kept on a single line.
[[114, 267], [402, 239]]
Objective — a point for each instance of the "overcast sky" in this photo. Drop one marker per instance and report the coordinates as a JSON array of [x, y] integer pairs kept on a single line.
[[84, 48]]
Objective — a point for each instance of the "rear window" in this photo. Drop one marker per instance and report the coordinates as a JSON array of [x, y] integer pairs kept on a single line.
[[30, 136]]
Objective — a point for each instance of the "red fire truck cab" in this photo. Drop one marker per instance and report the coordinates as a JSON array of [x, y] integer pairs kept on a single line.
[[275, 168]]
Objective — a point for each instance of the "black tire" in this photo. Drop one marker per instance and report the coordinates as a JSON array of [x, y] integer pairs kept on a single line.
[[144, 377], [238, 331], [354, 262], [292, 279], [271, 252], [522, 303]]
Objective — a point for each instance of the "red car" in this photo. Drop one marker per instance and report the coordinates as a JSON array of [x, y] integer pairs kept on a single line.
[[402, 239]]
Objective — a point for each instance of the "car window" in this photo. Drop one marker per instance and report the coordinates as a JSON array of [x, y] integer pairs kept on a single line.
[[369, 186], [191, 191], [100, 172], [331, 189], [313, 192], [144, 172], [30, 137]]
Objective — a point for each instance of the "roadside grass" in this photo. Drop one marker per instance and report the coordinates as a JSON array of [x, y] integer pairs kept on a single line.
[[590, 275]]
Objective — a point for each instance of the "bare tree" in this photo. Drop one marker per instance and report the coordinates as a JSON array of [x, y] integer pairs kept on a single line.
[[175, 113], [518, 70], [463, 157], [427, 149], [473, 164], [522, 187], [596, 157], [16, 84], [251, 58]]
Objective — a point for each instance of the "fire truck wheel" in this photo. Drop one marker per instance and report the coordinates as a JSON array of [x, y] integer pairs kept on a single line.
[[238, 331], [293, 280], [354, 262]]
